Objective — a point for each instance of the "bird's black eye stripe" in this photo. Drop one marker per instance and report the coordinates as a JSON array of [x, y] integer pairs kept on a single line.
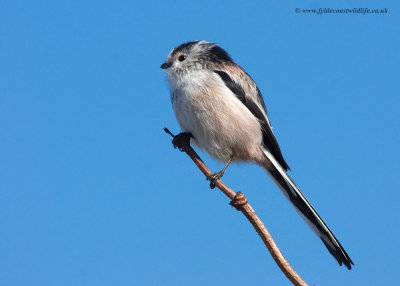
[[181, 58]]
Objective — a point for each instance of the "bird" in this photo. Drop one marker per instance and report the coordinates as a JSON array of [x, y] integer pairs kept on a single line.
[[220, 107]]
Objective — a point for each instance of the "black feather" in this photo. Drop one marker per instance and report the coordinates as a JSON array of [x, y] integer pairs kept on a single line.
[[184, 47], [301, 203], [219, 55], [233, 86]]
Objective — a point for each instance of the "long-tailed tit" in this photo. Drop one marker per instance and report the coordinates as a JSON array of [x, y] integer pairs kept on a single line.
[[220, 106]]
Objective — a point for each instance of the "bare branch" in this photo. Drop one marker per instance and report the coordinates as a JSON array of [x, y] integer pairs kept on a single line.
[[240, 202]]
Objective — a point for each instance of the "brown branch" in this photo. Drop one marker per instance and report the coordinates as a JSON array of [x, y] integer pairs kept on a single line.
[[240, 202]]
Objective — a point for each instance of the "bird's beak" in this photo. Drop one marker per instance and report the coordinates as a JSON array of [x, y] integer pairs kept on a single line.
[[165, 66]]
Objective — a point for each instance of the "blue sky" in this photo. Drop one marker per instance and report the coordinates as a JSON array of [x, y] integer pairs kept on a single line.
[[92, 192]]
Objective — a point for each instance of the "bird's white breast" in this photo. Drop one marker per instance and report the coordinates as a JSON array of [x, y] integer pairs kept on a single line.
[[219, 122]]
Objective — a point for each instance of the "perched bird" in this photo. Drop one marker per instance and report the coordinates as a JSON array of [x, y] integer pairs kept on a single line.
[[217, 103]]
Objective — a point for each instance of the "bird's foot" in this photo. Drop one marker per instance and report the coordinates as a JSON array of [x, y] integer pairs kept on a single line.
[[181, 139], [214, 177]]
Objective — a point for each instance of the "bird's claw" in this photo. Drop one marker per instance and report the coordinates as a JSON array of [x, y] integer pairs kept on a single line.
[[181, 139], [213, 178]]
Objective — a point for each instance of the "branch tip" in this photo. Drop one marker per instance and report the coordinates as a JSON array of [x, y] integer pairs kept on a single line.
[[169, 132]]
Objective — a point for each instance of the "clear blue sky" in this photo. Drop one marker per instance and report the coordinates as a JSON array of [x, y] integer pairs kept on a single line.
[[92, 192]]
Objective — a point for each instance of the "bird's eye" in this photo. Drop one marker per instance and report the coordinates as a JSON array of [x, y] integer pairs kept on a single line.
[[181, 57]]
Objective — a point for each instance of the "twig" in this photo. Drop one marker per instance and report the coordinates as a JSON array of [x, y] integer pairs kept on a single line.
[[240, 202]]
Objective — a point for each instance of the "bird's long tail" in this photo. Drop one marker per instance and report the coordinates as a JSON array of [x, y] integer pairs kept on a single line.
[[306, 210]]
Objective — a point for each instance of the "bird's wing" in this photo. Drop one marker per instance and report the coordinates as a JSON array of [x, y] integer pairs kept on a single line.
[[247, 92]]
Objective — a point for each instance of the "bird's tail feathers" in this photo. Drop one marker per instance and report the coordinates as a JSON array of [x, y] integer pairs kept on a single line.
[[305, 209]]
